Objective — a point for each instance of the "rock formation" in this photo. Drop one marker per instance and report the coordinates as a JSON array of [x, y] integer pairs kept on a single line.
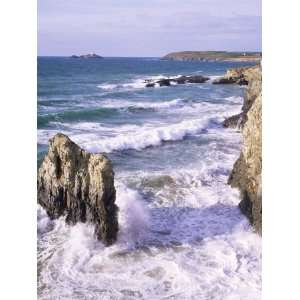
[[253, 77], [239, 76], [176, 80], [246, 173], [80, 186], [91, 55]]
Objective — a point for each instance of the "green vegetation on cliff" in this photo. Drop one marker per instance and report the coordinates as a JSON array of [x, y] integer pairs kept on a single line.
[[213, 55]]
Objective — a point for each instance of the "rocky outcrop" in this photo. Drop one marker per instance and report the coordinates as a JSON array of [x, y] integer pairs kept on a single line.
[[91, 55], [253, 77], [239, 76], [246, 173], [176, 80], [80, 186], [213, 56]]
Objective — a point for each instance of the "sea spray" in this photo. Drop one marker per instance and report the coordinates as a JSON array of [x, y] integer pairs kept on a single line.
[[133, 217]]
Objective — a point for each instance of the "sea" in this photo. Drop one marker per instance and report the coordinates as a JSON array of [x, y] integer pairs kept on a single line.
[[182, 235]]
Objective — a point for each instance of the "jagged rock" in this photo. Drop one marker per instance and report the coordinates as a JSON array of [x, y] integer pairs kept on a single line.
[[253, 74], [178, 80], [80, 186], [225, 80], [233, 121], [241, 76], [246, 173]]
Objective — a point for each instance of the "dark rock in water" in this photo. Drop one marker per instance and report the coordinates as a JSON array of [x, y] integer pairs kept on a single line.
[[164, 82], [178, 80], [196, 79], [246, 173], [150, 84], [80, 186], [233, 121], [242, 81], [225, 80], [91, 55]]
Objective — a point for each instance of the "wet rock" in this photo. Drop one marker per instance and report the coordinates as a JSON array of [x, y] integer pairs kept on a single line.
[[164, 82], [80, 186], [233, 121], [150, 84], [178, 80], [195, 79], [225, 80]]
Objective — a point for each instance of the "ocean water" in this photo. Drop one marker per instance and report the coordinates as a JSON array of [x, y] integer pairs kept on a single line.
[[181, 235]]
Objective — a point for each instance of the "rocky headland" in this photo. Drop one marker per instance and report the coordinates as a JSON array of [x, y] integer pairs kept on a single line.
[[80, 186], [246, 173], [213, 56]]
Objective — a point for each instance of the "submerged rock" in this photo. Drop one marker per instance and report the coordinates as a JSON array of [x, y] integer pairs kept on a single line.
[[80, 186], [246, 173]]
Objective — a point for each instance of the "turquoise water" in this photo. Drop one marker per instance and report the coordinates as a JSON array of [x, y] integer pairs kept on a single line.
[[182, 235]]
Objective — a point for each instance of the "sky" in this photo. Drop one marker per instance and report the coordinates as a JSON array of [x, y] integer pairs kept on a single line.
[[147, 28]]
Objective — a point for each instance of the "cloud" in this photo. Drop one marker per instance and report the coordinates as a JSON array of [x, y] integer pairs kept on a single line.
[[147, 28]]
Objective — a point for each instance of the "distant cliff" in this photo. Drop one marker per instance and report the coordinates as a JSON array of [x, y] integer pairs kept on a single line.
[[246, 173], [213, 55]]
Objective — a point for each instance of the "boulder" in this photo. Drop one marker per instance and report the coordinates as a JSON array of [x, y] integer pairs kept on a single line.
[[80, 186]]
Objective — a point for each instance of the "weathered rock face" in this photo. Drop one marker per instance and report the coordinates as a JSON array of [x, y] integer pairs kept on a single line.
[[241, 76], [246, 173], [79, 185], [253, 76]]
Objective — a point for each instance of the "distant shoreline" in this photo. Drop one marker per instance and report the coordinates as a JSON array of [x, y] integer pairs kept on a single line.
[[213, 56]]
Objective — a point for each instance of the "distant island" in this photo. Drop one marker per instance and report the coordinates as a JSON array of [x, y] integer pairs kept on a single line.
[[91, 55], [213, 56]]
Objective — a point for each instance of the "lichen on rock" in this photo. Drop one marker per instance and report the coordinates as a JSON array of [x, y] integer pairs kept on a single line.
[[80, 186]]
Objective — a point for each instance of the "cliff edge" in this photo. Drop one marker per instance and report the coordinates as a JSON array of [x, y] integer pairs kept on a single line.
[[246, 173]]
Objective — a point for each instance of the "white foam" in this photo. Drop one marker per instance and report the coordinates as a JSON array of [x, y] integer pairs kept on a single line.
[[134, 217], [147, 136], [138, 83], [107, 86], [189, 242], [214, 77]]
